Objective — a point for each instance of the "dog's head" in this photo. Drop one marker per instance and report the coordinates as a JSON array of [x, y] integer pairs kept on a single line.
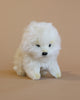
[[41, 40]]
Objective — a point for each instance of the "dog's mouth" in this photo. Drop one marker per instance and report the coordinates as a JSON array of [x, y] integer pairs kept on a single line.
[[43, 57]]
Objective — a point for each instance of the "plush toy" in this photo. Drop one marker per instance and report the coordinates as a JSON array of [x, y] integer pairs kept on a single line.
[[38, 49]]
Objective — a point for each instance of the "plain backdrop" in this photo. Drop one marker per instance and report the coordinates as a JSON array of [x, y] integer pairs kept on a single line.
[[15, 15]]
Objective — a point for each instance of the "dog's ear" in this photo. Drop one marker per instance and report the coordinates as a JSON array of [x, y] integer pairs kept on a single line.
[[25, 43], [27, 40]]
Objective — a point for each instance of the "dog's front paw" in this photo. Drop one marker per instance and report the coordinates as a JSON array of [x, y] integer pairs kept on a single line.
[[55, 71], [37, 76], [58, 75], [34, 76]]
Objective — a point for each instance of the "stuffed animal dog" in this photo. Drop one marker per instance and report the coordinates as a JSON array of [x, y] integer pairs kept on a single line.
[[38, 49]]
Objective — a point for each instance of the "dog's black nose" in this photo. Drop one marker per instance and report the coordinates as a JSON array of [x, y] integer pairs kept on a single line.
[[44, 53]]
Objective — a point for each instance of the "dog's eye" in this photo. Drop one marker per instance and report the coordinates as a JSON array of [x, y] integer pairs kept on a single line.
[[49, 45], [37, 45]]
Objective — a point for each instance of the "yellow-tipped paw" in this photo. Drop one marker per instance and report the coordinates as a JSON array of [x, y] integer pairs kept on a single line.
[[58, 75], [37, 76]]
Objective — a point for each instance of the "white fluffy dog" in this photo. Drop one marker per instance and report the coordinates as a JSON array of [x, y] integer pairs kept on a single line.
[[38, 50]]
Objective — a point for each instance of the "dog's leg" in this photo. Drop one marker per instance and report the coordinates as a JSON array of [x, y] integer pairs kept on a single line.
[[18, 67], [54, 69], [32, 71], [19, 70]]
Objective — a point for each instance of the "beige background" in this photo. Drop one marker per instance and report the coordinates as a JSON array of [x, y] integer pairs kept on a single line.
[[65, 15]]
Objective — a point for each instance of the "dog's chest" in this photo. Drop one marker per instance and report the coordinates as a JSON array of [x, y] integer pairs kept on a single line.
[[44, 66]]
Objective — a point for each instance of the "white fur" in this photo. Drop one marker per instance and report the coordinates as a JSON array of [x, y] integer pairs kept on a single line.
[[29, 59]]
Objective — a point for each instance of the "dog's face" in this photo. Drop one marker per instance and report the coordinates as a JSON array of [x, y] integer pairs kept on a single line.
[[43, 42], [42, 46]]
